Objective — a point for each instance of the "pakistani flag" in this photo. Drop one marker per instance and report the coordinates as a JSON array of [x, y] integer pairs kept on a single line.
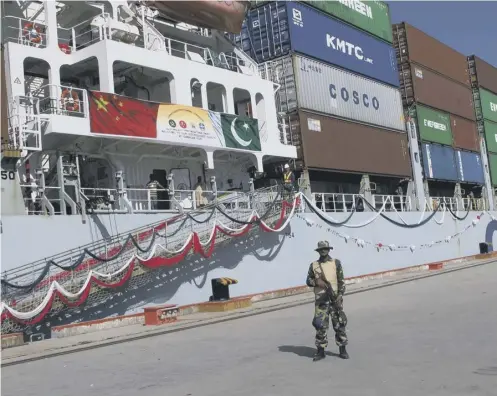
[[241, 132]]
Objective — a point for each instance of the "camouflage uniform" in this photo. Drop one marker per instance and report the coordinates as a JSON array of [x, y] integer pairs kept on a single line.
[[324, 310]]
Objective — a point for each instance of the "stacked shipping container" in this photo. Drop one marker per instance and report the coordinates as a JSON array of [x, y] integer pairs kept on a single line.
[[484, 84], [436, 92], [339, 83]]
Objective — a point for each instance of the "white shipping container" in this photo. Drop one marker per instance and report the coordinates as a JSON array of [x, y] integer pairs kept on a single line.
[[329, 90]]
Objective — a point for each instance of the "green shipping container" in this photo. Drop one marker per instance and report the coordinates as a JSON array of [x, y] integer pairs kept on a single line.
[[434, 126], [492, 162], [491, 135], [488, 102], [371, 16]]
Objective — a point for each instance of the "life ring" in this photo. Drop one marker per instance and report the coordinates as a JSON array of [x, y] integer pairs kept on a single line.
[[70, 100], [65, 48], [32, 32]]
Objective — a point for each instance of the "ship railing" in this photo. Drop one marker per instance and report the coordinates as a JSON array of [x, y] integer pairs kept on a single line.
[[274, 71], [267, 72], [332, 202], [475, 204], [463, 204], [399, 203], [41, 201], [144, 200], [339, 202], [34, 34], [285, 129], [199, 54], [62, 100], [433, 203], [83, 34], [24, 32], [141, 200], [24, 132], [99, 28], [177, 230]]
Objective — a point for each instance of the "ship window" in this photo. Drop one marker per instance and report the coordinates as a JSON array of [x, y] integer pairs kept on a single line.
[[36, 82], [196, 91], [242, 101], [81, 74], [216, 97], [143, 83]]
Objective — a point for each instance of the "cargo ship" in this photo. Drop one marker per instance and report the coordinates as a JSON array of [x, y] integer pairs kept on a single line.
[[144, 146]]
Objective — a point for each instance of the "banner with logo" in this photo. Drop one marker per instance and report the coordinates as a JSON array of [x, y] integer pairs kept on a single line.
[[118, 115]]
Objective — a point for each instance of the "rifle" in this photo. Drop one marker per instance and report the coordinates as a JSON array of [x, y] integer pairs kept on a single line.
[[342, 318]]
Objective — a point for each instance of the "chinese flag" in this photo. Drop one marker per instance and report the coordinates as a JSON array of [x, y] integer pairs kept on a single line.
[[118, 115]]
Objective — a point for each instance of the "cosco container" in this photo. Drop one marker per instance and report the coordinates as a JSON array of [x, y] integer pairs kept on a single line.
[[433, 125], [326, 89], [482, 73], [423, 86], [275, 29], [413, 45], [439, 162], [334, 144], [486, 105], [469, 167], [490, 130]]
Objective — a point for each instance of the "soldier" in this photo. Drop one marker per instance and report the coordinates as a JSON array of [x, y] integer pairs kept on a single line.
[[326, 273]]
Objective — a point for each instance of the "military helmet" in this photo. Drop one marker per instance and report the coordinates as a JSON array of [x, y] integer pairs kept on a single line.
[[322, 245]]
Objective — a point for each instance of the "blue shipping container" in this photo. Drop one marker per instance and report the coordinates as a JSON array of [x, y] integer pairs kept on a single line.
[[265, 34], [469, 167], [277, 28], [439, 162]]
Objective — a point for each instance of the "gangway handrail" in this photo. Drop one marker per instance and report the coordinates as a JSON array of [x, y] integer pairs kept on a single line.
[[20, 271]]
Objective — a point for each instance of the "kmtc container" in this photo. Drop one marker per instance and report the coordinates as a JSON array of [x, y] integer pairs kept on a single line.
[[333, 144], [469, 167], [434, 126], [275, 29], [316, 86], [439, 162], [413, 45]]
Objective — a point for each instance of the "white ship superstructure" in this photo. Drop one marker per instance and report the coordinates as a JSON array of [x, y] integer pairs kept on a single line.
[[59, 56]]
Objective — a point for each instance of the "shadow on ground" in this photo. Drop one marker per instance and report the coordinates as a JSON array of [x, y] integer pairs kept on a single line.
[[161, 285], [303, 351]]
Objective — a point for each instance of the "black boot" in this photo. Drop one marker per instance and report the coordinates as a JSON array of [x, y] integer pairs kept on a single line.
[[319, 354], [343, 353]]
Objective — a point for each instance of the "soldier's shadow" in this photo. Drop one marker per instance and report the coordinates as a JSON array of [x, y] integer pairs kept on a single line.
[[303, 351]]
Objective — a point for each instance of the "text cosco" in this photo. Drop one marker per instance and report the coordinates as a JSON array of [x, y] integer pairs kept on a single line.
[[357, 98]]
